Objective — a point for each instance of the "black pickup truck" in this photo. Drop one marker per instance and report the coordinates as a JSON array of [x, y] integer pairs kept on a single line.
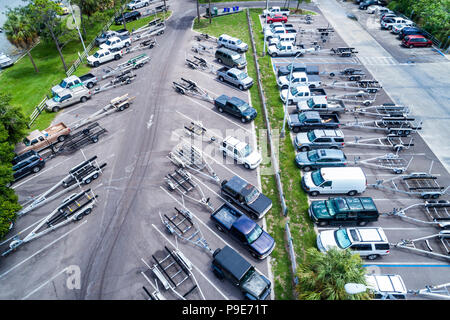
[[236, 107], [311, 120]]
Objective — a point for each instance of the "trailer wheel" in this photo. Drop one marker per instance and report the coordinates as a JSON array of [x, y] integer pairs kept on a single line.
[[366, 103], [61, 138], [87, 211], [426, 196], [435, 196], [95, 139], [87, 181], [79, 217], [95, 176], [332, 74]]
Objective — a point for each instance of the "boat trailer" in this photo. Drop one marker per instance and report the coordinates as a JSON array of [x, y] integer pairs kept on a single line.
[[398, 125], [441, 238], [389, 161], [361, 96], [369, 86], [381, 111], [391, 141], [437, 212], [188, 87]]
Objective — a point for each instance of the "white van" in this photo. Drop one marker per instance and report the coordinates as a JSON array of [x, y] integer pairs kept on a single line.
[[286, 37], [386, 286], [341, 180]]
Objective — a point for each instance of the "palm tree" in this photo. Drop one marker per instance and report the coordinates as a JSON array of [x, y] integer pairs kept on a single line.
[[20, 31], [322, 276]]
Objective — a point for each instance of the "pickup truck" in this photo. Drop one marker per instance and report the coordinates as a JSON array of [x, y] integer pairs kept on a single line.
[[359, 210], [40, 140], [72, 82], [236, 107], [241, 152], [299, 78], [102, 56], [236, 77], [276, 10], [301, 93], [229, 264], [67, 98], [110, 33], [298, 67], [311, 120], [271, 33], [321, 105], [116, 43], [243, 229], [246, 196], [287, 49]]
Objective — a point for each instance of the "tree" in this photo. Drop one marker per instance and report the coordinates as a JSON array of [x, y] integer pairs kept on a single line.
[[323, 275], [87, 7], [21, 31]]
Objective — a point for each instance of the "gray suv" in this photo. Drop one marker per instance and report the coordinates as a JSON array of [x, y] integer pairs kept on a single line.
[[319, 139], [316, 159]]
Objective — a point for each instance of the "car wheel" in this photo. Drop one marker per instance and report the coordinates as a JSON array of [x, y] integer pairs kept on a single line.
[[307, 168], [219, 228], [290, 102], [55, 109], [296, 129], [221, 79], [372, 256], [362, 223], [96, 64], [224, 154], [219, 60], [410, 46], [314, 193], [220, 110], [36, 169], [241, 87], [246, 166], [61, 138], [117, 57], [90, 85], [322, 223], [332, 74], [243, 120], [351, 193], [274, 54], [83, 99]]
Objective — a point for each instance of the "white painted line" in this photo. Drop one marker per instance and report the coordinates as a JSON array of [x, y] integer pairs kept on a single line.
[[44, 284], [39, 251]]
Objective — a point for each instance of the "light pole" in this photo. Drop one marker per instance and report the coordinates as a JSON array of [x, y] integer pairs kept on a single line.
[[282, 133], [76, 25]]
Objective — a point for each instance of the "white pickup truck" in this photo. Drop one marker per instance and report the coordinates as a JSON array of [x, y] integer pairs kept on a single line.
[[117, 42], [299, 78], [102, 56], [276, 10], [287, 49], [321, 105], [301, 93], [241, 152]]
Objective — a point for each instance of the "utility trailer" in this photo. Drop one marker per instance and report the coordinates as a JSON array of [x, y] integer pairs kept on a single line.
[[350, 74], [181, 181], [398, 125], [422, 184], [202, 49], [200, 64], [361, 96], [133, 63], [173, 270], [391, 141], [72, 209], [369, 86], [423, 245], [181, 224], [437, 212], [188, 87], [122, 79], [84, 135], [196, 129], [205, 37], [343, 51], [82, 174], [143, 45], [186, 155], [381, 111], [389, 161]]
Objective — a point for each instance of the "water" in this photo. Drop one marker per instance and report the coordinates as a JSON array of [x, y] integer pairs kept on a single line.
[[5, 46]]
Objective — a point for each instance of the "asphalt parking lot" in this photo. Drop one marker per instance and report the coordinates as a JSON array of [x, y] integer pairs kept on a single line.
[[417, 269]]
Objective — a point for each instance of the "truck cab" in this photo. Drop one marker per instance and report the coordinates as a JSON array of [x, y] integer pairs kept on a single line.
[[299, 78], [241, 152], [229, 264], [38, 140], [116, 42], [236, 77], [67, 83], [232, 43], [321, 105], [102, 56]]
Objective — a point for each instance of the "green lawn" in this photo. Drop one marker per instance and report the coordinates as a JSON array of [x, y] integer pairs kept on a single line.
[[134, 25]]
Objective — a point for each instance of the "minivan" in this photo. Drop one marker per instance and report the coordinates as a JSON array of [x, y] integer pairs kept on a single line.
[[286, 37], [407, 31], [340, 180], [230, 58], [369, 242]]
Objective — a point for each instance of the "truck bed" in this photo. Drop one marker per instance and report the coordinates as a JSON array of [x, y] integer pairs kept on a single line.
[[56, 128], [223, 70], [313, 77], [87, 76], [318, 92], [225, 215]]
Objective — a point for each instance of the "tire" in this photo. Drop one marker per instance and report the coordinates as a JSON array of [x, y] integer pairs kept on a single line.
[[352, 193], [243, 120], [87, 211], [296, 129], [83, 99], [247, 166], [307, 168], [372, 256], [55, 109], [314, 193], [36, 169], [95, 139], [219, 60], [221, 79], [79, 217], [61, 138], [90, 85], [322, 223], [410, 46], [426, 196], [304, 149], [220, 110], [435, 196], [96, 64], [332, 74], [290, 102], [127, 44], [117, 57], [8, 185], [241, 87], [224, 154], [254, 255], [95, 176], [87, 181], [274, 54]]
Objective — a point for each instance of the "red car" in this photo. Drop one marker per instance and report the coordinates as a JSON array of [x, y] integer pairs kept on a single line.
[[276, 18], [416, 41]]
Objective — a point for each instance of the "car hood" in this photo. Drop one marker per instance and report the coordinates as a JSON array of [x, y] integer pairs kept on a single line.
[[57, 89], [254, 157], [283, 80], [328, 240], [50, 103], [249, 112], [302, 158], [247, 80], [263, 244], [104, 46], [293, 118], [261, 204], [302, 137], [319, 210]]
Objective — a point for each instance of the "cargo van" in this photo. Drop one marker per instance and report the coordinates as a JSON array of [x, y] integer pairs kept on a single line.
[[341, 180], [230, 58]]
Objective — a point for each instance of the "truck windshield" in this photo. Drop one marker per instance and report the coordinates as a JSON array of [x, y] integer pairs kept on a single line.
[[294, 91], [26, 141], [243, 107], [108, 42], [317, 178], [311, 136], [96, 54], [342, 238], [247, 150], [301, 117], [242, 76], [235, 57], [63, 84], [312, 155], [238, 41], [254, 234], [252, 196], [310, 103], [330, 207]]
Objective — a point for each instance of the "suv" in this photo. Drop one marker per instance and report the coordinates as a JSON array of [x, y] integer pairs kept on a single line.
[[360, 210], [386, 286], [25, 164], [316, 159], [241, 152], [367, 242], [232, 43], [319, 139], [230, 58], [128, 16], [136, 4], [246, 196], [416, 41]]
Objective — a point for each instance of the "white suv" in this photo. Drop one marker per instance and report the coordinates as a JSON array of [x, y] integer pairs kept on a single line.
[[241, 152], [368, 242], [386, 286], [135, 4], [232, 43]]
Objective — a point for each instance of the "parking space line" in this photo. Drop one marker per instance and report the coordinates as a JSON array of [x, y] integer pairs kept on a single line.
[[44, 284]]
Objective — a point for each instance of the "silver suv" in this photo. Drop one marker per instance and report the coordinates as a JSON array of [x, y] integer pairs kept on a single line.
[[319, 139]]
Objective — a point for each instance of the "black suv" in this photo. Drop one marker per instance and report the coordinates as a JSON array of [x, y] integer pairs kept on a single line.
[[246, 196], [27, 163], [128, 16]]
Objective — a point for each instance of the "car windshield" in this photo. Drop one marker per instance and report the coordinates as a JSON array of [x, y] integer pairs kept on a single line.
[[63, 84], [294, 91], [252, 196], [238, 41], [242, 76], [108, 42], [301, 117], [342, 238], [235, 57], [330, 207], [254, 234], [317, 178], [311, 136], [26, 141], [313, 156], [56, 98], [310, 103], [247, 150], [96, 54], [242, 107]]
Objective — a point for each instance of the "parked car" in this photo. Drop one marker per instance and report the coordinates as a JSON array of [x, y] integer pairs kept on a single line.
[[369, 243], [272, 26], [110, 33], [5, 61], [229, 264], [283, 37], [297, 67], [320, 158], [26, 164], [230, 58], [236, 77], [373, 8], [246, 196], [390, 22], [397, 28], [299, 78], [335, 211], [271, 33], [276, 10], [232, 43], [319, 139], [277, 18], [409, 31], [116, 43], [128, 16], [243, 229], [241, 152], [38, 140], [416, 41], [136, 4], [287, 49], [301, 93], [363, 5], [67, 98], [387, 15], [310, 120], [321, 105], [343, 180], [386, 286], [103, 56], [236, 107], [72, 82]]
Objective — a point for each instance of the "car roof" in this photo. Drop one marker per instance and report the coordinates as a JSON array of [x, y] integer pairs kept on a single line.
[[328, 133], [386, 283], [286, 43], [332, 153], [414, 36], [237, 101], [370, 234], [238, 184], [233, 261], [235, 142]]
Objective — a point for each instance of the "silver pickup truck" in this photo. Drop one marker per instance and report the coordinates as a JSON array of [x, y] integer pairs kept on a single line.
[[67, 98], [236, 77]]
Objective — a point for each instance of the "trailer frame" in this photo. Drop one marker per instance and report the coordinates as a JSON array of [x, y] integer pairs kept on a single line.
[[435, 216]]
